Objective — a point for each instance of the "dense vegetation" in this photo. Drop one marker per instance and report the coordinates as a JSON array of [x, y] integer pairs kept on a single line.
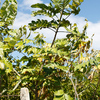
[[65, 69]]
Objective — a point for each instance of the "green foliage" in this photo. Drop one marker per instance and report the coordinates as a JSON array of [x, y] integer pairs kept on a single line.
[[8, 12], [62, 70], [60, 95]]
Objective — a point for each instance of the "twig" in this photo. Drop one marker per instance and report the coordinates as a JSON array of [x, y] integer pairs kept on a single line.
[[83, 90], [31, 88], [68, 15], [41, 67], [16, 72], [17, 84], [76, 94], [52, 29], [54, 37], [9, 95], [64, 31]]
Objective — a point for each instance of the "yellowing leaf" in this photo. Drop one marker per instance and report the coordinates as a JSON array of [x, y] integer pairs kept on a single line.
[[98, 55], [81, 56], [40, 59], [81, 0], [98, 66], [75, 24], [86, 24]]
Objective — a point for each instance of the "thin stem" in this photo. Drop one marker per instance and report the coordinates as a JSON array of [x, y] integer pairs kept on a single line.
[[68, 15], [57, 28], [41, 67], [52, 29], [83, 90], [64, 31], [74, 85], [16, 72], [31, 88], [17, 85], [76, 94], [55, 36]]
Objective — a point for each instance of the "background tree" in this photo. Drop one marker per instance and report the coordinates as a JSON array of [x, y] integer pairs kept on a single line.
[[61, 70]]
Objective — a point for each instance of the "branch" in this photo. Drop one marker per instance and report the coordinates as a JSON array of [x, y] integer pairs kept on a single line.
[[76, 94], [83, 90], [55, 36], [41, 67], [17, 85], [51, 29], [16, 72], [31, 88], [9, 95], [68, 15], [57, 28], [64, 31]]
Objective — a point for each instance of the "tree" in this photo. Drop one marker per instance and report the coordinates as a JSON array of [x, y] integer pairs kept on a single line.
[[61, 70]]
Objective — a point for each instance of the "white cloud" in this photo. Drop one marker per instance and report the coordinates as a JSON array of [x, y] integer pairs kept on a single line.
[[30, 2], [94, 28], [22, 19], [26, 4]]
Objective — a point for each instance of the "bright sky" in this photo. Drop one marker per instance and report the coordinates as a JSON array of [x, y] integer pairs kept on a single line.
[[90, 9]]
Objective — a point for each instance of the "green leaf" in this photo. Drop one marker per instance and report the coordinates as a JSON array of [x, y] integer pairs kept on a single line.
[[38, 5], [8, 11], [1, 44], [39, 24], [54, 65], [45, 10], [61, 3], [27, 70], [68, 97], [79, 66], [58, 93], [19, 44], [8, 65]]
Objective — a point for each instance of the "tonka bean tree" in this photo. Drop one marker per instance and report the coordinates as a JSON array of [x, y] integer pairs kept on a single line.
[[61, 70]]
